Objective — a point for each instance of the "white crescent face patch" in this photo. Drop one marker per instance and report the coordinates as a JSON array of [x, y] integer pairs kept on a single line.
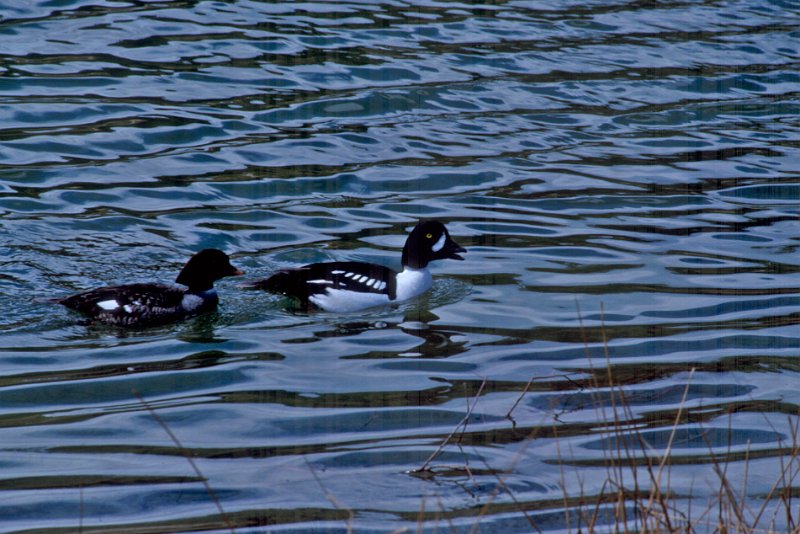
[[439, 244]]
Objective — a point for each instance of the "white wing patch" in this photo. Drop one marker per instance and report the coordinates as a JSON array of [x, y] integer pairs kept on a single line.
[[108, 305], [321, 281], [111, 305], [439, 244]]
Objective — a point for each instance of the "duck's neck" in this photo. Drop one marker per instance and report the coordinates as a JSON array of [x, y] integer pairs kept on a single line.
[[202, 291], [411, 259], [197, 301]]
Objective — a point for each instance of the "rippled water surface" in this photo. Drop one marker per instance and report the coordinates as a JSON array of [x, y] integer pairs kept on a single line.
[[625, 176]]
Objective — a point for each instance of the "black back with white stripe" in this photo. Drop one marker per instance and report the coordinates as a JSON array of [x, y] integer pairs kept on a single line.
[[317, 278]]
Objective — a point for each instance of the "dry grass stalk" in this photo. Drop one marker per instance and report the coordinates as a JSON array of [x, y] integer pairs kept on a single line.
[[330, 497], [189, 459], [463, 423]]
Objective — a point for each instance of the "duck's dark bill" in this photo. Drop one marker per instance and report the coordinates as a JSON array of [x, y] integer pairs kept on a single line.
[[454, 249]]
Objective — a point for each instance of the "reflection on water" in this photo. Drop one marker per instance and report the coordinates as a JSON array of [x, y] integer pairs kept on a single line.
[[623, 175]]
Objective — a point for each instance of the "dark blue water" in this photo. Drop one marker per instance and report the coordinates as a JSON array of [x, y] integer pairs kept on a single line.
[[625, 175]]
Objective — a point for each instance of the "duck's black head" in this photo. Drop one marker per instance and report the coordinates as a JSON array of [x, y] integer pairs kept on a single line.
[[429, 241], [205, 268]]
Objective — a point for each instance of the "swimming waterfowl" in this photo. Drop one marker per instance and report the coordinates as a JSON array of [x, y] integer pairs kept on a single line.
[[139, 305], [345, 286]]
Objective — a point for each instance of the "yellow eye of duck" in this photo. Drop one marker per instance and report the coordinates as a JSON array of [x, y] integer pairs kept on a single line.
[[429, 236]]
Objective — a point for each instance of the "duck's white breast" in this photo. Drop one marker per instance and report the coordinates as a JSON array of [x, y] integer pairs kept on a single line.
[[413, 282], [192, 302], [342, 300]]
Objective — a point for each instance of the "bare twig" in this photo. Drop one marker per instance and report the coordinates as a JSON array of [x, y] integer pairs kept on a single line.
[[331, 498], [656, 481], [80, 510], [501, 483], [189, 459], [528, 387], [781, 481], [463, 422]]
